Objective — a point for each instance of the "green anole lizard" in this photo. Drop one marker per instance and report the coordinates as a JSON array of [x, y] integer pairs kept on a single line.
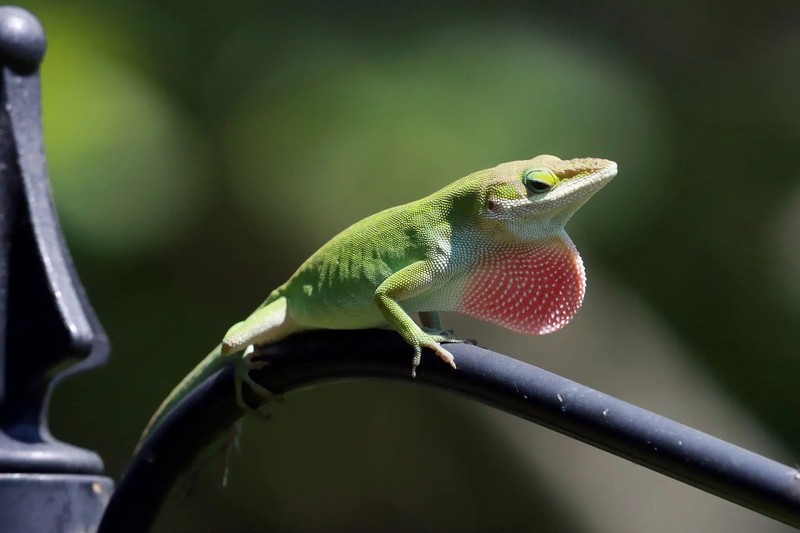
[[491, 245]]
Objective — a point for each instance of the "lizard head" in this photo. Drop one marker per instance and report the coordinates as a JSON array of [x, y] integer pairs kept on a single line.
[[535, 198], [533, 281]]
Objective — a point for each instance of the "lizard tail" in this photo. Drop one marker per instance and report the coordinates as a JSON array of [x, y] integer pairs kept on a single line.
[[213, 362]]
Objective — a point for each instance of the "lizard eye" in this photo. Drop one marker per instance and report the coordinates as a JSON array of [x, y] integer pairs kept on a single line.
[[538, 181]]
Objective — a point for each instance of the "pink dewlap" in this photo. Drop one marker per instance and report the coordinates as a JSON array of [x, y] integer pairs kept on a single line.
[[531, 288]]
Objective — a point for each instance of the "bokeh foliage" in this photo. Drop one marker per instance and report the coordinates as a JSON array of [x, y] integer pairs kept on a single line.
[[198, 153]]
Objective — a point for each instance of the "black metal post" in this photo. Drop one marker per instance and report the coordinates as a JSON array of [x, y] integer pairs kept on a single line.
[[48, 329]]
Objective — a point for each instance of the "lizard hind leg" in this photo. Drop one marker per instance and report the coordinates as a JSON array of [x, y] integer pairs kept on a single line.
[[269, 323]]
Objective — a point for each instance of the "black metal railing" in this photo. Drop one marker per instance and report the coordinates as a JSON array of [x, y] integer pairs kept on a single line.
[[633, 433]]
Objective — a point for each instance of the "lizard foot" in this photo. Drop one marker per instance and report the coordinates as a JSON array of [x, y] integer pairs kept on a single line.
[[243, 368], [432, 344]]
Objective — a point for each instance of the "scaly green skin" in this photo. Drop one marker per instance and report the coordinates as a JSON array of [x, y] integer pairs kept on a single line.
[[491, 245]]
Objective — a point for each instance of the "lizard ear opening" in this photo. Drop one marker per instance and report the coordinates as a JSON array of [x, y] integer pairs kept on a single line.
[[534, 288]]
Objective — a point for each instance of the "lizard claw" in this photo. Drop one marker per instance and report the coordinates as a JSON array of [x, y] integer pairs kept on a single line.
[[445, 356]]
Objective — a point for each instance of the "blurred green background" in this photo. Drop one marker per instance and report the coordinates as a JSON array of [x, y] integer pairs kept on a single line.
[[199, 151]]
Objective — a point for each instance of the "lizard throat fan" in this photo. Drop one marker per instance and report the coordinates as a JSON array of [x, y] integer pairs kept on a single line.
[[532, 288]]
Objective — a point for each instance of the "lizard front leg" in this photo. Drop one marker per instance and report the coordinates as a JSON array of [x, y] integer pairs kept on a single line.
[[410, 281]]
